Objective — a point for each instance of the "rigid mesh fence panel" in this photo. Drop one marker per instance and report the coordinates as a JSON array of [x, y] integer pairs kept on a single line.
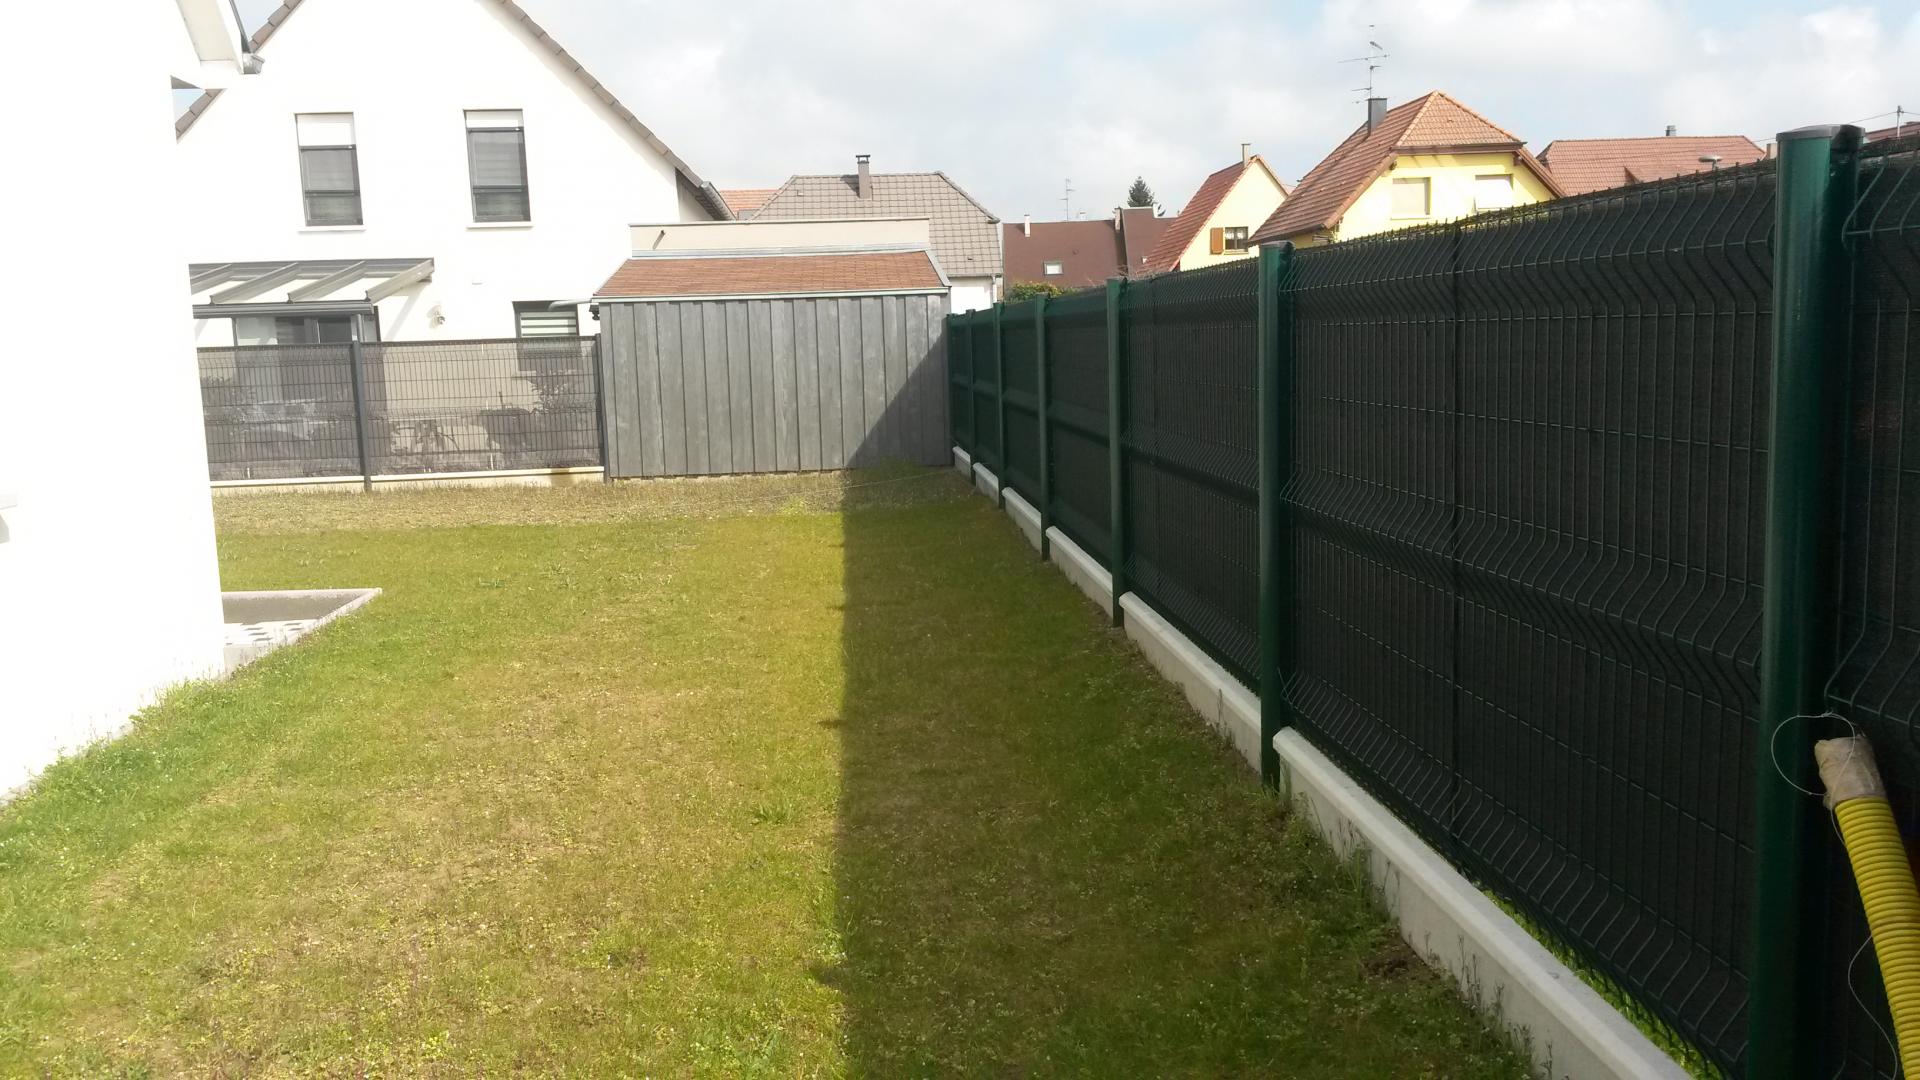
[[1877, 682], [472, 406], [1529, 488], [960, 380], [986, 391], [278, 412], [1082, 496], [1019, 340], [1190, 458]]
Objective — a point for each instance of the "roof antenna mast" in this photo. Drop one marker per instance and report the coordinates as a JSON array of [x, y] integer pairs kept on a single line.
[[1376, 53], [1066, 198]]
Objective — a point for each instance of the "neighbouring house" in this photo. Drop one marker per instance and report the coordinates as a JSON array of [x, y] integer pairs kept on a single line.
[[1426, 160], [1219, 221], [1900, 129], [109, 588], [776, 346], [1077, 254], [442, 168], [966, 235], [1583, 165]]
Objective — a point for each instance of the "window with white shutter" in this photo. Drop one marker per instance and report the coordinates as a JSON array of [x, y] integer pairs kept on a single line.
[[329, 168], [497, 161]]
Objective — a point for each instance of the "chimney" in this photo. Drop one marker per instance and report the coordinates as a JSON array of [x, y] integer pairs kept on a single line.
[[1026, 227], [1672, 130], [1246, 153], [1376, 111], [864, 161]]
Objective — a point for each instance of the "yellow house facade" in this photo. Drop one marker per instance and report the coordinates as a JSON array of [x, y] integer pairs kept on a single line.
[[1430, 159]]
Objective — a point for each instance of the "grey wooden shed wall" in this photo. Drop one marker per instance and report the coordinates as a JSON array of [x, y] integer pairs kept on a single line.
[[705, 387]]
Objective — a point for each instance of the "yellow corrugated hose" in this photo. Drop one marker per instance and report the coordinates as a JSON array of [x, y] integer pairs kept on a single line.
[[1880, 868]]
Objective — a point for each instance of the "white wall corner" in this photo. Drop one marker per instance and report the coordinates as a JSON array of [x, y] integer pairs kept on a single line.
[[1227, 706], [1081, 568], [988, 483], [1570, 1030], [1025, 516]]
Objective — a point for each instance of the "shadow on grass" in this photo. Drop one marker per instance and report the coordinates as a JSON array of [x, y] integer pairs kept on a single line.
[[1044, 864]]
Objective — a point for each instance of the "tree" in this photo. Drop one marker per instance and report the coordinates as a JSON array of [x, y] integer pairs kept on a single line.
[[1027, 290], [1140, 194]]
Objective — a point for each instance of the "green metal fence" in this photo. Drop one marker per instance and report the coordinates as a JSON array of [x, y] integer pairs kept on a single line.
[[1525, 519]]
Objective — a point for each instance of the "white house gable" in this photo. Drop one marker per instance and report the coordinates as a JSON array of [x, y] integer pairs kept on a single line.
[[357, 141]]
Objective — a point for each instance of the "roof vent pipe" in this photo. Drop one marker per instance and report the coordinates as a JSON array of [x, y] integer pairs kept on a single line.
[[1672, 131], [1246, 153], [864, 162], [1026, 227], [1376, 112]]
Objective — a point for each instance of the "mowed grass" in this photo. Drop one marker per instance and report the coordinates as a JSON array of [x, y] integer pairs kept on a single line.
[[731, 778]]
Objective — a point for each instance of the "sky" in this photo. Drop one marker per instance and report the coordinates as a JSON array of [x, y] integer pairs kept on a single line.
[[1014, 99]]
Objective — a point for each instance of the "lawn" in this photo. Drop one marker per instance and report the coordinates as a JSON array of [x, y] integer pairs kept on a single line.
[[815, 776]]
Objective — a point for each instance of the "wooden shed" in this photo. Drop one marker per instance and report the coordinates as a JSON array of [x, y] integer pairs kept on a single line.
[[787, 361]]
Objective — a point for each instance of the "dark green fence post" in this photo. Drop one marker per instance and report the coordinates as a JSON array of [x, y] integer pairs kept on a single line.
[[1116, 408], [1000, 405], [1275, 345], [1046, 440], [1785, 1010], [357, 373]]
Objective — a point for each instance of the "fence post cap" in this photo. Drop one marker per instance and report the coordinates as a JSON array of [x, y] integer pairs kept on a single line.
[[1846, 134]]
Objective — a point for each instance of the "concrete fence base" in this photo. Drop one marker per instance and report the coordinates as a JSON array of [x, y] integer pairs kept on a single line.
[[590, 474], [1567, 1027]]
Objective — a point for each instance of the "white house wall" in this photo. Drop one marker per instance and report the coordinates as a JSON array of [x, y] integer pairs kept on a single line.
[[408, 72], [972, 294], [109, 589]]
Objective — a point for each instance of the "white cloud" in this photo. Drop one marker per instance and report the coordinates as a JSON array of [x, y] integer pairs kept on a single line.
[[1011, 97]]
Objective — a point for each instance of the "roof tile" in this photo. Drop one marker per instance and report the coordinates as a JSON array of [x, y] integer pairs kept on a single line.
[[1583, 165]]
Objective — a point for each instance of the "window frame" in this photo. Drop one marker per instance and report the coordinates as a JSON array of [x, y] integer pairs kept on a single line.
[[307, 194], [1229, 234], [1511, 190], [475, 189], [1426, 197], [1053, 268]]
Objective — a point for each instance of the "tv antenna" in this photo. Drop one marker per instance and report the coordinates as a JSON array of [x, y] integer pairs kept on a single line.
[[1377, 53], [1066, 199]]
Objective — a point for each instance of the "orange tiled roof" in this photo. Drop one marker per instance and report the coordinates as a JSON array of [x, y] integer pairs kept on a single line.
[[1583, 165], [744, 201]]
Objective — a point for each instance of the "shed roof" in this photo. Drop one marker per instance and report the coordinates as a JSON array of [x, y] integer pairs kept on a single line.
[[708, 195], [1431, 123], [811, 274], [966, 235], [1583, 165]]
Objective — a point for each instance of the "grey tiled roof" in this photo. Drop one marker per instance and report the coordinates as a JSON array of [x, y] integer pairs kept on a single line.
[[966, 237]]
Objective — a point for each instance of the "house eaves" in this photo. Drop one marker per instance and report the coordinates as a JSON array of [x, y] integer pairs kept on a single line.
[[708, 195]]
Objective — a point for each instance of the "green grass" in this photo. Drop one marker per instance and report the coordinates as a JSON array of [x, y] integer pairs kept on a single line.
[[814, 777]]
